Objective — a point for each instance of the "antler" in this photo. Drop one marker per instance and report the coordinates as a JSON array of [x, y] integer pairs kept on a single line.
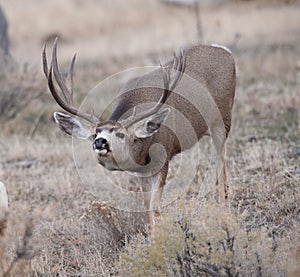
[[171, 78], [64, 83]]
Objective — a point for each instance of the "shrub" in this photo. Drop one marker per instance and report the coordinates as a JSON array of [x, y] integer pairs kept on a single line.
[[86, 246], [18, 88], [208, 243]]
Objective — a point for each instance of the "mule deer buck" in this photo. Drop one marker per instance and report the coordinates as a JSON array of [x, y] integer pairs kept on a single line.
[[124, 140]]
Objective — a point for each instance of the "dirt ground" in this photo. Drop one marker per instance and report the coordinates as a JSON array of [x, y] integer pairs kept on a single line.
[[55, 228]]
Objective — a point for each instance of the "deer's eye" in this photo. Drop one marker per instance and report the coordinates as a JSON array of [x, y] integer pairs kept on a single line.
[[120, 135]]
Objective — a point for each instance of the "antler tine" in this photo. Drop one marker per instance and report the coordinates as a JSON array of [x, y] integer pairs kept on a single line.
[[54, 92], [69, 79], [66, 89], [56, 95], [175, 62], [166, 76], [166, 79], [58, 76], [45, 64], [178, 67], [177, 70]]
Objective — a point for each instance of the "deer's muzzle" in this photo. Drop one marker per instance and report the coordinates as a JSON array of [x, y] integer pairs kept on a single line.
[[101, 146]]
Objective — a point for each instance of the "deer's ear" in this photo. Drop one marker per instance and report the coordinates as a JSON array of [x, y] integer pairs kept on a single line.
[[71, 126], [150, 125]]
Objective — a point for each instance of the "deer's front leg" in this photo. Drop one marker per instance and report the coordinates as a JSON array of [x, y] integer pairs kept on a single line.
[[152, 193]]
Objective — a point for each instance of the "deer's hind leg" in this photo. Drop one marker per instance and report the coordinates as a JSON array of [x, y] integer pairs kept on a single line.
[[219, 137]]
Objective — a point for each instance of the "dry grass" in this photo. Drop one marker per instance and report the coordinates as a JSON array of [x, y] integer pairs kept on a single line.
[[56, 226]]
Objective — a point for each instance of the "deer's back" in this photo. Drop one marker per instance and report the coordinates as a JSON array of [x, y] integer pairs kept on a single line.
[[209, 77]]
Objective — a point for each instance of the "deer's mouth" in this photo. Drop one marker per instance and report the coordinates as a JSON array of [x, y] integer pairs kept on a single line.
[[102, 151]]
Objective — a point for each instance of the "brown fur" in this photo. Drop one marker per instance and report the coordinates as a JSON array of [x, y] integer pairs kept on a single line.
[[200, 105], [214, 69]]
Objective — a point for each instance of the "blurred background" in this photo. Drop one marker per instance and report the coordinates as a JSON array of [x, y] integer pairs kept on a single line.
[[103, 30]]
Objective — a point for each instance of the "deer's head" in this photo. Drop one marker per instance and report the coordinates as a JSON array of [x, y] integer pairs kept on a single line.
[[119, 145]]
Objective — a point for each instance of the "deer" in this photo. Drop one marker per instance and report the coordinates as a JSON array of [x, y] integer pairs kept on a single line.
[[144, 116], [3, 205]]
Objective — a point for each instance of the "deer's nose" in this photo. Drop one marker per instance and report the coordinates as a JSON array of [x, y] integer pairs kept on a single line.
[[100, 143]]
